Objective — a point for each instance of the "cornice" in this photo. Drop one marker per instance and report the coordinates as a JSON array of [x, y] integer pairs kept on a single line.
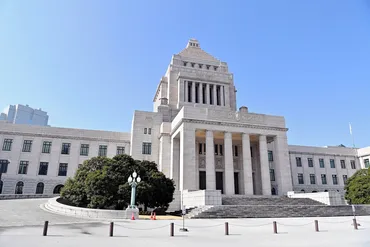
[[230, 124], [323, 154], [62, 136]]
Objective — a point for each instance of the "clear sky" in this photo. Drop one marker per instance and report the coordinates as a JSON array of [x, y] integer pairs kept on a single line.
[[90, 64]]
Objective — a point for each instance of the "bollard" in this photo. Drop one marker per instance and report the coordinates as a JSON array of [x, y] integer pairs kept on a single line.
[[226, 228], [172, 226], [45, 232], [111, 229], [355, 224], [316, 225], [274, 224]]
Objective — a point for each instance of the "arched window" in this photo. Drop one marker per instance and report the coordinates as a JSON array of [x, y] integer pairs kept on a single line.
[[325, 190], [58, 188], [1, 186], [314, 191], [273, 191], [19, 188], [40, 188], [302, 191]]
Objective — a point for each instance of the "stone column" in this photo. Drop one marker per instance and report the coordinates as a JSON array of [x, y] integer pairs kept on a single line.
[[187, 159], [282, 165], [175, 161], [186, 91], [210, 161], [200, 92], [181, 90], [264, 164], [214, 95], [193, 92], [247, 165], [229, 164]]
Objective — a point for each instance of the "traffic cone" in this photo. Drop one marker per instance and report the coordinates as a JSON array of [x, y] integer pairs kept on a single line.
[[132, 216], [154, 216]]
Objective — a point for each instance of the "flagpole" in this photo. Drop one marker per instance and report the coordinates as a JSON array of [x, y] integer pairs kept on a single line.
[[353, 139]]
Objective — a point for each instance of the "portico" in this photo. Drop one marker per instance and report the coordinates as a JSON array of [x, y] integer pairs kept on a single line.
[[232, 158]]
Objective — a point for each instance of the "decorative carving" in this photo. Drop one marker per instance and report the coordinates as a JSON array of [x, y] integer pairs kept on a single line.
[[219, 164], [202, 163]]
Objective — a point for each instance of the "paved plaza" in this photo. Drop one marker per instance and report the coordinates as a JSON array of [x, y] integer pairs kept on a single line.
[[21, 225]]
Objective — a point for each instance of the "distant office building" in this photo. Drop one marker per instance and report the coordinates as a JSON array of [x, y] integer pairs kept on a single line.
[[23, 114]]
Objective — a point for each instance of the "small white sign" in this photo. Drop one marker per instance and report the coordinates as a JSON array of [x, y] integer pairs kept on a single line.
[[353, 208]]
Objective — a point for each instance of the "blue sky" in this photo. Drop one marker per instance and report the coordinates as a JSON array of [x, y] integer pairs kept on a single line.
[[90, 64]]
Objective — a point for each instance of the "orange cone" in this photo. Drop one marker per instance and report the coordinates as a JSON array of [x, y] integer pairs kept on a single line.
[[154, 216], [132, 216]]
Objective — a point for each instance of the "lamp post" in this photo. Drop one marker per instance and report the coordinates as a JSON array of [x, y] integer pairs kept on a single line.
[[133, 180]]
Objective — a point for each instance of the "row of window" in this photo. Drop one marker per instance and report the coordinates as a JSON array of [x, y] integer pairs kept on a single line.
[[322, 163], [66, 148], [200, 66], [219, 149], [39, 188], [43, 168], [323, 179]]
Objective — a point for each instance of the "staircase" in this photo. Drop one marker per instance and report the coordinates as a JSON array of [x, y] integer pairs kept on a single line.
[[274, 207]]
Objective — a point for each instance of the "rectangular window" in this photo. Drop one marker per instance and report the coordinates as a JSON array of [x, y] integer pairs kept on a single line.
[[332, 163], [27, 144], [343, 164], [190, 85], [200, 145], [323, 179], [312, 179], [145, 130], [300, 178], [270, 155], [298, 161], [236, 153], [63, 167], [7, 144], [84, 149], [272, 175], [353, 164], [120, 150], [43, 169], [211, 94], [367, 163], [23, 165], [149, 131], [216, 149], [3, 166], [321, 162], [202, 180], [218, 95], [46, 146], [103, 150], [345, 179], [335, 179], [251, 152], [66, 148], [221, 150], [147, 148], [204, 149], [310, 162], [204, 93]]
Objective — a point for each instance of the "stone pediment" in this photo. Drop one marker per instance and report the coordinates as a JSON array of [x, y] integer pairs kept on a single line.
[[193, 50]]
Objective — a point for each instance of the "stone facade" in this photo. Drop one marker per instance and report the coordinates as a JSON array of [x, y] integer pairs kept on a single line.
[[198, 138]]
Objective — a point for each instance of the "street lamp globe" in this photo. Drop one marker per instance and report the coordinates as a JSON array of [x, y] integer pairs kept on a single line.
[[129, 179], [138, 179], [134, 175]]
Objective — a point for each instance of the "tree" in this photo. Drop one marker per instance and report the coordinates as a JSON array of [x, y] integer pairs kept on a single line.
[[102, 183], [358, 187]]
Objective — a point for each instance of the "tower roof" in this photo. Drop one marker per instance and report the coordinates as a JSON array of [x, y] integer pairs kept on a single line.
[[193, 50]]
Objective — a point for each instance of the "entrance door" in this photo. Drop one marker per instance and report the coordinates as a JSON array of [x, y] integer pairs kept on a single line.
[[220, 181], [236, 183], [202, 180]]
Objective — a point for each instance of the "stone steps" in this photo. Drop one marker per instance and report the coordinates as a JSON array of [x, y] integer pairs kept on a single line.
[[253, 211], [265, 201]]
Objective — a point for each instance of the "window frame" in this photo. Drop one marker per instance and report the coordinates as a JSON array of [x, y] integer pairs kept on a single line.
[[64, 145], [7, 144], [84, 147], [300, 177], [367, 163], [27, 146], [353, 164], [23, 167], [332, 164], [61, 171], [298, 161], [322, 163], [46, 147], [310, 162], [120, 150], [4, 165], [326, 180], [146, 148], [103, 150], [45, 164], [343, 164], [312, 179], [336, 179]]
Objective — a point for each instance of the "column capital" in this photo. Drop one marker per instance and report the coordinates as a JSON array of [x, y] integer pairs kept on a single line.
[[228, 134], [209, 133]]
